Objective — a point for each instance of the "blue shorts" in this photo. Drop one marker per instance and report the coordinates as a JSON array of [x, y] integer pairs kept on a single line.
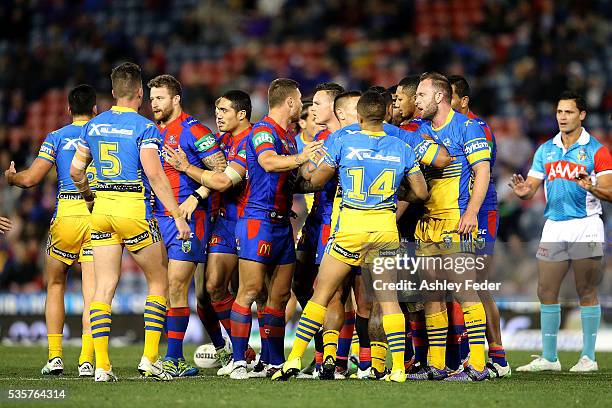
[[315, 235], [223, 237], [193, 250], [488, 223], [265, 242]]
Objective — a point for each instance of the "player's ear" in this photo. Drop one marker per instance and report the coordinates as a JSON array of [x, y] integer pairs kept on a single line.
[[465, 101], [95, 110], [113, 93], [241, 115], [69, 110], [582, 115]]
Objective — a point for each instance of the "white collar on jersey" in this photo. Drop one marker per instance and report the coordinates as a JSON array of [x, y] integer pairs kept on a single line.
[[582, 140]]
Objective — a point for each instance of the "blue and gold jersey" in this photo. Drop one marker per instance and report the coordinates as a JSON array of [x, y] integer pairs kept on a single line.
[[450, 188], [371, 166], [58, 148], [114, 139]]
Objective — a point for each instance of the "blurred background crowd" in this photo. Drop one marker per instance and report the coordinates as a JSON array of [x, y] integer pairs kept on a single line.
[[517, 55]]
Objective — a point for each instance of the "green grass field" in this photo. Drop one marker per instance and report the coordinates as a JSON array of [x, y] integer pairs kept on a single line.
[[20, 368]]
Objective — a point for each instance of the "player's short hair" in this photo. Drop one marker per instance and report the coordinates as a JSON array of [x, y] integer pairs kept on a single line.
[[440, 83], [280, 89], [241, 101], [372, 106], [126, 80], [333, 89], [384, 92], [462, 88], [82, 99], [341, 98], [409, 84], [167, 81], [576, 97], [306, 104], [392, 89]]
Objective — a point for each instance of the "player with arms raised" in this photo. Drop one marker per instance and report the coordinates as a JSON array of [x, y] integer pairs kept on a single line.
[[69, 235]]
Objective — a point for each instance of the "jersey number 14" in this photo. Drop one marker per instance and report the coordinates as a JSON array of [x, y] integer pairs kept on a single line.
[[381, 186]]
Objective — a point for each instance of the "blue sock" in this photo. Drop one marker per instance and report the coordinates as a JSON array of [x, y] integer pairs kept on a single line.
[[550, 320], [590, 316], [177, 322]]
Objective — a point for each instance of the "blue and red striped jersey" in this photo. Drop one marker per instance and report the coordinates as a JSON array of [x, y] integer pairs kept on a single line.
[[235, 153], [214, 198], [268, 193], [490, 201], [323, 203], [198, 142]]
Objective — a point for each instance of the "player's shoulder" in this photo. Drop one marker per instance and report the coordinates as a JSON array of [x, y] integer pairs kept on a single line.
[[323, 134]]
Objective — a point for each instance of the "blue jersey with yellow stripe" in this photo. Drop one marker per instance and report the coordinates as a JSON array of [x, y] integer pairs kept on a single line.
[[114, 139], [371, 166], [58, 148], [450, 188], [425, 150]]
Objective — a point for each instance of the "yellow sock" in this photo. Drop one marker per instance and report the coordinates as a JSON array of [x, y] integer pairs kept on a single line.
[[330, 344], [476, 326], [55, 345], [310, 322], [154, 318], [87, 349], [437, 330], [395, 329], [378, 351], [355, 344], [100, 318]]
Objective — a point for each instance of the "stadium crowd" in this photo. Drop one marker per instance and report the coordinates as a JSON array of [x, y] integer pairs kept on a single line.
[[518, 56]]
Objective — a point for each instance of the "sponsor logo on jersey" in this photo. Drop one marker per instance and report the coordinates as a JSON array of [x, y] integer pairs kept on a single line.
[[582, 154], [263, 137], [99, 129], [476, 146], [366, 154], [71, 144], [46, 149], [205, 143], [562, 169]]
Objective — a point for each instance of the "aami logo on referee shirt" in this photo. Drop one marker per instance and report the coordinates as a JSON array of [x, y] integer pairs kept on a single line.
[[563, 169]]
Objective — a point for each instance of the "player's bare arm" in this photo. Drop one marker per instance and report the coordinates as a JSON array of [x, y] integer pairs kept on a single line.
[[215, 161], [443, 158], [413, 189], [601, 190], [219, 181], [161, 186], [272, 162], [29, 177], [482, 175], [317, 180], [524, 189], [78, 174]]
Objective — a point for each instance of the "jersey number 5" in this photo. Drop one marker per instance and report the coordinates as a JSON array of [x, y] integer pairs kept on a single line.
[[110, 163], [381, 186]]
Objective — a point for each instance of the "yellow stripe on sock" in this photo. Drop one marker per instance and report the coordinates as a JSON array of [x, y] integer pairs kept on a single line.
[[152, 337]]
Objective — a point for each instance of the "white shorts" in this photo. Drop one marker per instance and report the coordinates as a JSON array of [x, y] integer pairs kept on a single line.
[[578, 238]]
